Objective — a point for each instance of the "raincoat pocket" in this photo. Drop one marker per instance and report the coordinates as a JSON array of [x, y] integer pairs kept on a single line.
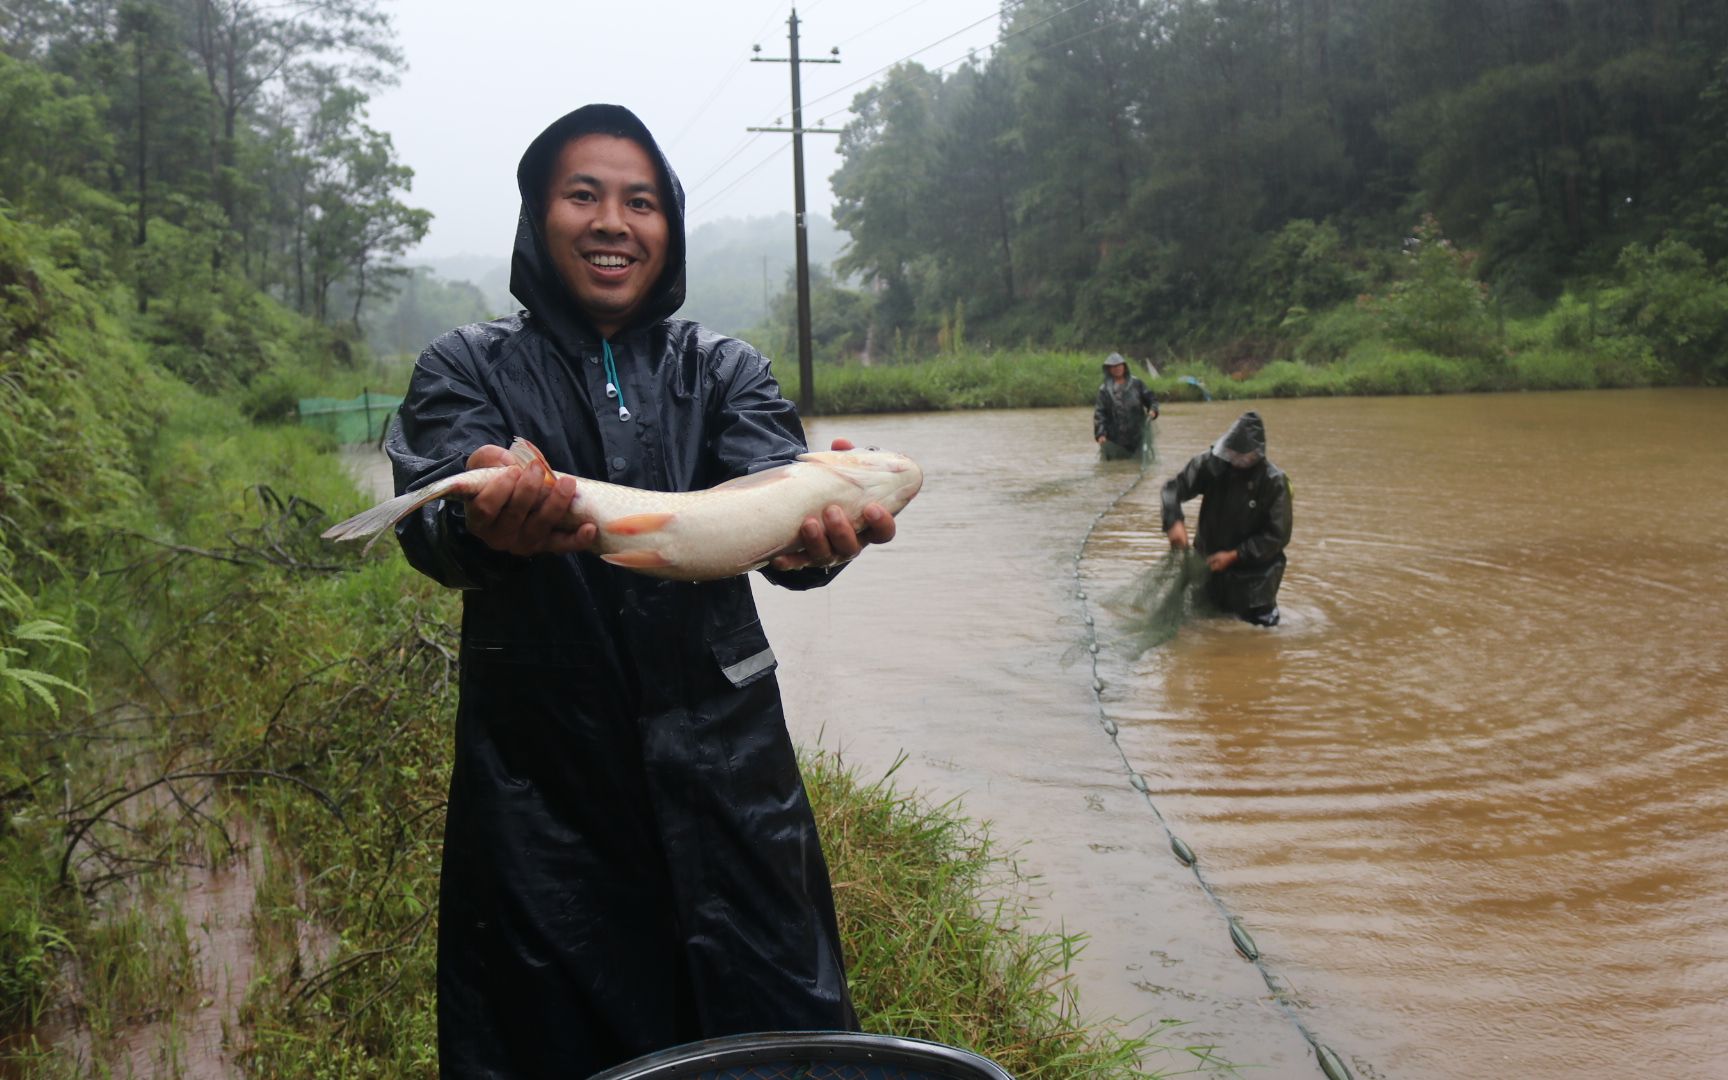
[[743, 654]]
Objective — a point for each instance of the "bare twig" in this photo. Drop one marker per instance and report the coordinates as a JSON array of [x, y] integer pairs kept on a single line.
[[86, 824]]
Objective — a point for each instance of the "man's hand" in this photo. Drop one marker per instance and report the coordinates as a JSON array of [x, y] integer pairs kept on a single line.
[[1102, 439], [1178, 534], [830, 540], [521, 511], [1220, 561]]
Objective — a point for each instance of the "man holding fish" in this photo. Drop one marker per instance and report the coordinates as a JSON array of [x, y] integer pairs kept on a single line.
[[630, 859]]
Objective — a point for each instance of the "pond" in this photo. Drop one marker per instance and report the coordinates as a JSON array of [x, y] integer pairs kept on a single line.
[[1470, 798]]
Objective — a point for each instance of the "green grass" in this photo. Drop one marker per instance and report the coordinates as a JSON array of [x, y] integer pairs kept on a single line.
[[1342, 352], [998, 380]]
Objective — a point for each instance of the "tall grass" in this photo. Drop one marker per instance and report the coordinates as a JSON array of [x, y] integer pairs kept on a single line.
[[1342, 352], [971, 380]]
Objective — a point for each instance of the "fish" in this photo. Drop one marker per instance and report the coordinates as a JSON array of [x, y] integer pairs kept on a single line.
[[726, 530]]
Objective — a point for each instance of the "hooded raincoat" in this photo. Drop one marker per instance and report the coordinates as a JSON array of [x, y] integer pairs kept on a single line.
[[1244, 509], [1121, 410], [630, 860]]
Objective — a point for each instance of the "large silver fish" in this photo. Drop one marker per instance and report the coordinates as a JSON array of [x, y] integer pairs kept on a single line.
[[690, 535]]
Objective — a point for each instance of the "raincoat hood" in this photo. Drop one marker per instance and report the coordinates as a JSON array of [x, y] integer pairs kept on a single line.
[[1246, 436], [1112, 361], [534, 279]]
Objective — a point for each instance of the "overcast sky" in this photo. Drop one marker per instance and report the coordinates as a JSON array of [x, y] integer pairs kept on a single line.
[[485, 77]]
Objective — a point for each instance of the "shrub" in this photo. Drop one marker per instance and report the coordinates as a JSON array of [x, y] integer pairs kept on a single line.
[[1332, 335], [1675, 302], [1305, 266], [1438, 306]]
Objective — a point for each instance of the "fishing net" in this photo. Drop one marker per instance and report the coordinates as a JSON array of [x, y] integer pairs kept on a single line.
[[1160, 599]]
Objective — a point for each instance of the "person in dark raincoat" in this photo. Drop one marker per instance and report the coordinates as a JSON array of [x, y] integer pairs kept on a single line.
[[630, 859], [1119, 418], [1245, 519]]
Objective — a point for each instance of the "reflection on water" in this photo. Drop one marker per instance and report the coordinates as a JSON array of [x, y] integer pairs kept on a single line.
[[1469, 797]]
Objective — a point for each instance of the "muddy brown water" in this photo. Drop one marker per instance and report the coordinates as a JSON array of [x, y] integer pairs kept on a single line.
[[1471, 798]]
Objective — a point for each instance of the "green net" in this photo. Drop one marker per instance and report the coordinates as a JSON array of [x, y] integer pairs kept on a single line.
[[1160, 599], [351, 420]]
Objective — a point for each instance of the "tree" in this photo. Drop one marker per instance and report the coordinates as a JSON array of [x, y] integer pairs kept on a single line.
[[882, 191], [245, 46], [355, 227]]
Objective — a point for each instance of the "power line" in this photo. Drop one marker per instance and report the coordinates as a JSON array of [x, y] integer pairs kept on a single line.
[[739, 149], [878, 26], [999, 42], [714, 95], [710, 200], [910, 55], [957, 33], [1039, 49]]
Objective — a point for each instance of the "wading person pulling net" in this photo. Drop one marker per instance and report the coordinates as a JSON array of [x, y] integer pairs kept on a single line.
[[1124, 408], [1245, 519]]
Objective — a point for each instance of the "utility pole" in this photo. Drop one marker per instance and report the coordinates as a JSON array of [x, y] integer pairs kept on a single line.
[[806, 369]]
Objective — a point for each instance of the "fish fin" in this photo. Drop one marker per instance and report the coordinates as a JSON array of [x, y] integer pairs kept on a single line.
[[378, 520], [637, 524], [526, 453], [638, 560], [756, 479]]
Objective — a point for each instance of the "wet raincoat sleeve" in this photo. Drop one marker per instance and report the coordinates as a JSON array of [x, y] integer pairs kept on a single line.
[[1193, 480], [1101, 415], [755, 428], [445, 416], [1266, 544], [1148, 400]]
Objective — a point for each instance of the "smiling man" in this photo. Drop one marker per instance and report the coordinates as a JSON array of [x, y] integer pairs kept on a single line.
[[630, 860]]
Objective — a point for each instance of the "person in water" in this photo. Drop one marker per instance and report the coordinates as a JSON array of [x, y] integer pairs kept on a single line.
[[1245, 519], [1120, 415], [630, 858]]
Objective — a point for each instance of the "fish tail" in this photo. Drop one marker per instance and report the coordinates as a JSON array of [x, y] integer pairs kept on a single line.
[[377, 521]]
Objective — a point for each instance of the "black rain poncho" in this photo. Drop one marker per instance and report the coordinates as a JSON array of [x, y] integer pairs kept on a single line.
[[630, 860], [1247, 509], [1120, 412]]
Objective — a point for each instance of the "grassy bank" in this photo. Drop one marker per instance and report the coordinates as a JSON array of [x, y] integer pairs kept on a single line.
[[998, 380], [1032, 379], [1660, 319]]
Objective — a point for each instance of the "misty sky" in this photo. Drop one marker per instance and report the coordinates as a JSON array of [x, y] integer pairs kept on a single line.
[[484, 78]]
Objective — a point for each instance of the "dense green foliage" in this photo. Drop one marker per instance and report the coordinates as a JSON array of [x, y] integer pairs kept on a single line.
[[1215, 176], [77, 404], [218, 151]]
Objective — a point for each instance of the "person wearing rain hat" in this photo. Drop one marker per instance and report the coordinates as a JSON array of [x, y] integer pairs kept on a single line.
[[1119, 417], [1245, 519]]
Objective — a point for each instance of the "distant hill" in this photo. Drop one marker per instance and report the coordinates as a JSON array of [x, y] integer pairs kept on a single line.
[[488, 273], [727, 261]]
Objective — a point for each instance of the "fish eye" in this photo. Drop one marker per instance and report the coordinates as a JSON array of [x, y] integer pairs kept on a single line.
[[873, 449]]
